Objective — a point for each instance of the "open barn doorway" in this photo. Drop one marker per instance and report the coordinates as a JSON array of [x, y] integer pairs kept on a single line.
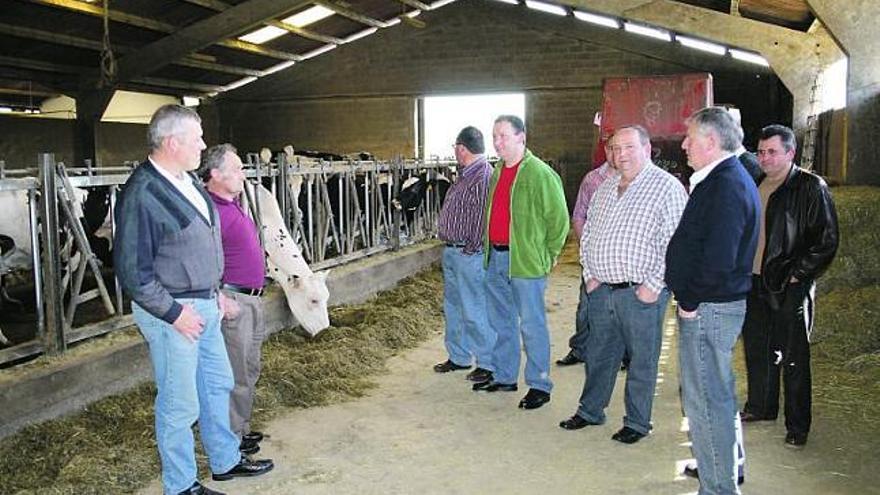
[[444, 116]]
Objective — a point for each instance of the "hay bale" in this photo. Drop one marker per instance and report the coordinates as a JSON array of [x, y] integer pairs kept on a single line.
[[856, 263]]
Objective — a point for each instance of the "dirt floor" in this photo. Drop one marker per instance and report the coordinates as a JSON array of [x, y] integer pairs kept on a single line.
[[420, 432]]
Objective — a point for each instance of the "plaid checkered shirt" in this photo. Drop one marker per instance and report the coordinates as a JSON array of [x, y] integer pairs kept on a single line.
[[625, 236]]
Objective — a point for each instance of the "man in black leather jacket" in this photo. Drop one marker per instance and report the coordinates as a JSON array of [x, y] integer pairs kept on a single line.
[[797, 242]]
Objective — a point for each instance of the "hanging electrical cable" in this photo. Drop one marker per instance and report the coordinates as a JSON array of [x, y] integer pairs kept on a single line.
[[108, 61]]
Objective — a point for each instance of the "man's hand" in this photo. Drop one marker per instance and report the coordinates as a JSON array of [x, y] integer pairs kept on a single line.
[[190, 324], [229, 307], [646, 295], [686, 315], [592, 284]]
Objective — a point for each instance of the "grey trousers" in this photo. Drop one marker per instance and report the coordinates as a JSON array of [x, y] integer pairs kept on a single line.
[[244, 336]]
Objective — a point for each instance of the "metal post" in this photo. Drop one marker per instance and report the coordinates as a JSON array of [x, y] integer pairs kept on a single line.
[[284, 195], [397, 165], [114, 190], [35, 253], [53, 338]]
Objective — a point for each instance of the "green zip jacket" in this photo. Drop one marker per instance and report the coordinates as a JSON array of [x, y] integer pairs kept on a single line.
[[538, 218]]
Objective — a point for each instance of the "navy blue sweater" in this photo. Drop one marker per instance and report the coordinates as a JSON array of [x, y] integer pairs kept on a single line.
[[710, 256]]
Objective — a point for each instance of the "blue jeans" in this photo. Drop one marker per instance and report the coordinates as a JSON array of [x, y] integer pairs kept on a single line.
[[516, 308], [468, 335], [708, 391], [193, 381], [620, 323]]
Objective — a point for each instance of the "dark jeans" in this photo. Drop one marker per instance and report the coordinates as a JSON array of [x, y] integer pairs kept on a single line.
[[578, 341], [778, 340]]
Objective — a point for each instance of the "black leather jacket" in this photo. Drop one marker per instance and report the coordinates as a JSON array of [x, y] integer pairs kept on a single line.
[[801, 233]]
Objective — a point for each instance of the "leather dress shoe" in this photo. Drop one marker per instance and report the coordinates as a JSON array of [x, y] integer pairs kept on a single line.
[[249, 447], [199, 489], [627, 435], [245, 468], [691, 471], [575, 423], [448, 365], [254, 436], [747, 417], [480, 375], [534, 399], [494, 387], [795, 440], [569, 359]]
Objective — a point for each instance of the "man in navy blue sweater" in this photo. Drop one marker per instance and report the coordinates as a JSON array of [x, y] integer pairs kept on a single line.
[[708, 268]]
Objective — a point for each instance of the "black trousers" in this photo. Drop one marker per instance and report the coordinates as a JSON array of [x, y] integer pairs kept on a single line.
[[778, 340]]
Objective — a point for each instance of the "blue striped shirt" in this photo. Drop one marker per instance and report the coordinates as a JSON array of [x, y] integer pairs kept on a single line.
[[462, 216]]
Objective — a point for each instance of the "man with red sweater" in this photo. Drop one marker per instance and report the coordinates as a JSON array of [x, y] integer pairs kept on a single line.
[[525, 231]]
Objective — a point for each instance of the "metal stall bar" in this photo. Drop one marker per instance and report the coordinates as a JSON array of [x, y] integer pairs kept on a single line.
[[53, 337]]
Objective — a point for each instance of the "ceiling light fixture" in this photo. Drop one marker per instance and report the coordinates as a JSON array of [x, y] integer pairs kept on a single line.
[[263, 35], [318, 51], [440, 3], [361, 34], [701, 45], [278, 67], [308, 16], [600, 20], [546, 7], [753, 58], [650, 32]]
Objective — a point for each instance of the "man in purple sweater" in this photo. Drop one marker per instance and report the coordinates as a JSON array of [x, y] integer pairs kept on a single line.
[[243, 279]]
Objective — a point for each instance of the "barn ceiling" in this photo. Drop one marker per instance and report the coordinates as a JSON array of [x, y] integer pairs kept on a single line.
[[193, 47]]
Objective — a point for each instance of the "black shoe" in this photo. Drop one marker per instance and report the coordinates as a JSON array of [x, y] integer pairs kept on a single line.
[[575, 423], [199, 489], [691, 471], [245, 468], [480, 375], [254, 436], [448, 365], [248, 447], [627, 435], [569, 359], [747, 417], [795, 440], [534, 399], [494, 387]]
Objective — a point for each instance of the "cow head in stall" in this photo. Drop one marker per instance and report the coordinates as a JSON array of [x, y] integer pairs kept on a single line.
[[306, 292]]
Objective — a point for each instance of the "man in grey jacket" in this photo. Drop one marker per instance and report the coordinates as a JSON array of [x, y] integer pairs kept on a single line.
[[169, 259]]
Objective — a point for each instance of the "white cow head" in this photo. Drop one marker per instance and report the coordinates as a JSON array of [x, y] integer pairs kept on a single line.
[[306, 291], [307, 296]]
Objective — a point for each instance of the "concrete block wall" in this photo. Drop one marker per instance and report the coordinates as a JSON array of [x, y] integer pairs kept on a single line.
[[361, 93], [23, 138], [342, 125]]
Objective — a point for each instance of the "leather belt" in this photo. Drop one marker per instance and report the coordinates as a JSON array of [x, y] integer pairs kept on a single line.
[[622, 285], [500, 247], [455, 244], [242, 290], [195, 294]]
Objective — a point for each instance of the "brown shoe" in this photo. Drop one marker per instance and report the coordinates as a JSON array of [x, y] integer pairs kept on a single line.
[[448, 365]]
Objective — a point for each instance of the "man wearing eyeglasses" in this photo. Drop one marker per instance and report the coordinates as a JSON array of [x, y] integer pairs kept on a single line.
[[468, 336]]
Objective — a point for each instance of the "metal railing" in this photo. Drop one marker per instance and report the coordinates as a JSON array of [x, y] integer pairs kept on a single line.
[[337, 211]]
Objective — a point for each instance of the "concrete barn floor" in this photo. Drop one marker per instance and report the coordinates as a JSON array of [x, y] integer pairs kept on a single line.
[[420, 432]]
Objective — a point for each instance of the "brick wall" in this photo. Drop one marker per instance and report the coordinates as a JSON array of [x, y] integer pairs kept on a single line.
[[360, 96]]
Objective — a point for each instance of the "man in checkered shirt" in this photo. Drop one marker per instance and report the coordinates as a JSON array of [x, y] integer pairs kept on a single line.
[[630, 220]]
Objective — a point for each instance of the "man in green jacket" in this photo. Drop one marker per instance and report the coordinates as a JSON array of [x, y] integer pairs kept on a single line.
[[526, 229]]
